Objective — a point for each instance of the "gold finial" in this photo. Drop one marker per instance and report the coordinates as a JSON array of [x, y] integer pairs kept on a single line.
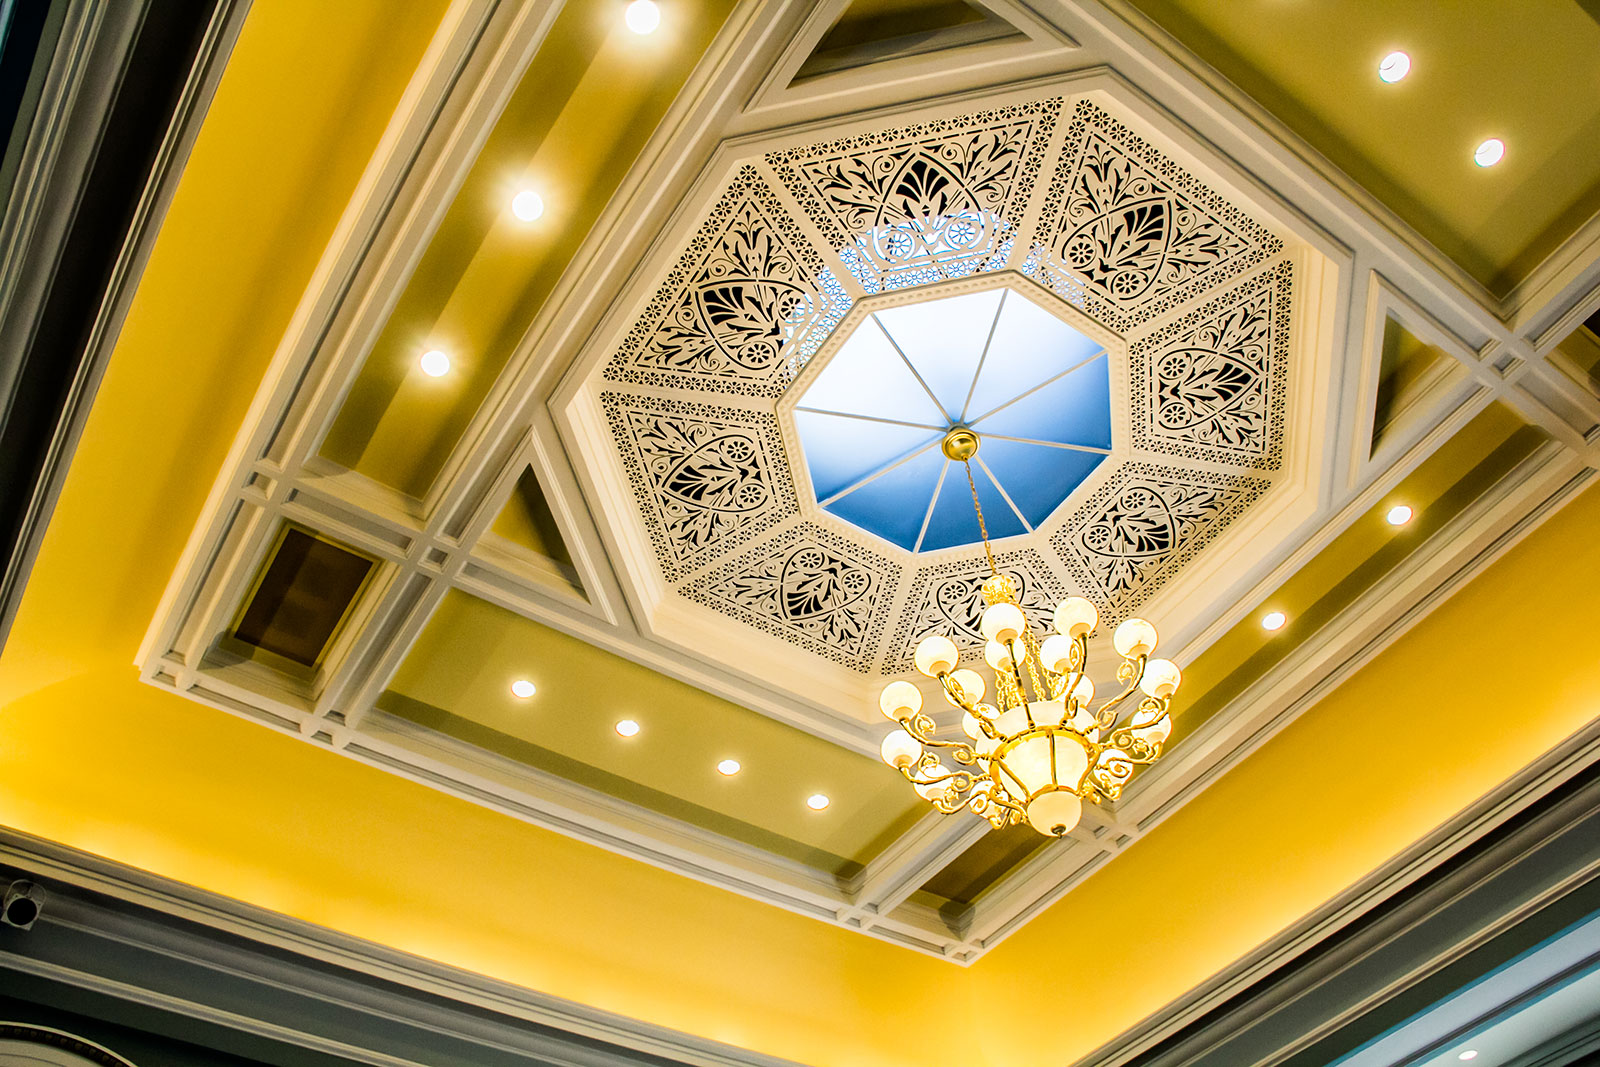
[[998, 589], [959, 444]]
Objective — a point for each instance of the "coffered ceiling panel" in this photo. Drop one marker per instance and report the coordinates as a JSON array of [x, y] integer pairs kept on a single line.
[[679, 470]]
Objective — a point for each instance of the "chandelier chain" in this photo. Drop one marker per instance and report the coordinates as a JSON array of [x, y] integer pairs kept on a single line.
[[983, 528]]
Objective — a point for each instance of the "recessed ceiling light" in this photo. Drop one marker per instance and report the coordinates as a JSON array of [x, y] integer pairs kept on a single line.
[[642, 16], [523, 689], [627, 727], [817, 801], [1395, 65], [729, 767], [1273, 620], [1469, 1054], [1489, 152], [527, 205], [1399, 515], [434, 363]]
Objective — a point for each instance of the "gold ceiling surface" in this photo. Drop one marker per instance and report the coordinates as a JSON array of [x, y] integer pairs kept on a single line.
[[539, 511]]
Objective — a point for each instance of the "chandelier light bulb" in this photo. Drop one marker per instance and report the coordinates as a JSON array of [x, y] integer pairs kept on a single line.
[[1083, 692], [522, 689], [937, 655], [527, 205], [642, 16], [1055, 652], [1151, 726], [1161, 678], [1075, 617], [1135, 637], [1002, 622], [1395, 65], [434, 363], [900, 700], [1399, 515], [972, 726], [1489, 152], [971, 685], [900, 748], [999, 657]]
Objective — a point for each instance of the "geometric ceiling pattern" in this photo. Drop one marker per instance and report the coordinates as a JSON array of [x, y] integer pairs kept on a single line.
[[776, 430], [633, 486]]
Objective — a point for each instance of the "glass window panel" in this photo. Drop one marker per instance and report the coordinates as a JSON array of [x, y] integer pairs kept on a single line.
[[944, 340], [868, 377], [1036, 477], [955, 523], [841, 450], [894, 504], [1075, 409], [1030, 347]]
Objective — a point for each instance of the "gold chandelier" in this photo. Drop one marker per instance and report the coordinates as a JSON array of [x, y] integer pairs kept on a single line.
[[1037, 751]]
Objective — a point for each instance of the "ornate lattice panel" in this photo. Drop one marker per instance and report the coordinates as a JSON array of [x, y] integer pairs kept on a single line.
[[707, 479], [1128, 234], [1134, 534], [925, 203], [747, 303], [811, 587], [1213, 384]]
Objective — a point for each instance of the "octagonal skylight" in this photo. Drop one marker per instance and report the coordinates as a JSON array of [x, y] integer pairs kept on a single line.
[[1035, 390]]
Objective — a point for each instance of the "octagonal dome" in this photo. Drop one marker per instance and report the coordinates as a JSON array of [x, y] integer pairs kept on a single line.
[[1033, 388]]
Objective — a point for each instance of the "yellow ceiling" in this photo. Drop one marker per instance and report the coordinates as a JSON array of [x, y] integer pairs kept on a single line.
[[593, 96], [92, 758], [457, 679], [1527, 73]]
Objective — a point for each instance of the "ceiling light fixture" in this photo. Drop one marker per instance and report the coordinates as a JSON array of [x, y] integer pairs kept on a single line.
[[817, 801], [1273, 620], [522, 689], [642, 16], [1469, 1054], [527, 205], [627, 728], [1489, 152], [1399, 515], [729, 767], [434, 363], [1395, 65], [1037, 752]]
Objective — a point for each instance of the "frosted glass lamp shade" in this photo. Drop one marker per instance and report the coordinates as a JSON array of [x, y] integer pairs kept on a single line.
[[899, 748], [1002, 622], [1161, 678], [1055, 653], [937, 655], [1083, 691], [1134, 637], [972, 727], [1153, 727], [1055, 814], [1075, 616], [900, 700], [1048, 712], [971, 685], [999, 656]]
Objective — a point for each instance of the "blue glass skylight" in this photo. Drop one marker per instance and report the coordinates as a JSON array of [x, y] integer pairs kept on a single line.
[[1036, 391]]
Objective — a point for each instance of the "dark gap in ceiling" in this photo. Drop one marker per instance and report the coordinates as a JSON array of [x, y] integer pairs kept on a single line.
[[1405, 363], [873, 31], [301, 598]]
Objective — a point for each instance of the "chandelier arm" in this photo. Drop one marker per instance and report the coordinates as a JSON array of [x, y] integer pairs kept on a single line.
[[1134, 669]]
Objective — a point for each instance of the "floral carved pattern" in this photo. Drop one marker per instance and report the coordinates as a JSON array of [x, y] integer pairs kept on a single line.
[[1142, 526], [704, 477], [914, 205], [810, 587], [1212, 385], [1128, 234], [749, 301], [948, 599]]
